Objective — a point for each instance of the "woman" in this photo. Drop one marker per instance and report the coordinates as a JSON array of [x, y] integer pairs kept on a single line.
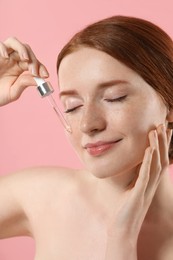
[[115, 79]]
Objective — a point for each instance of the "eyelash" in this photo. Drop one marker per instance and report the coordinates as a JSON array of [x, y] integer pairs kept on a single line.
[[120, 99], [71, 109]]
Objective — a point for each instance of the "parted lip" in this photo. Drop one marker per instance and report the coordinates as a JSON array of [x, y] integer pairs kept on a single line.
[[100, 143]]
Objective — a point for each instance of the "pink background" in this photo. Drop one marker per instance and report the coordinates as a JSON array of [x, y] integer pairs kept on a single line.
[[29, 131]]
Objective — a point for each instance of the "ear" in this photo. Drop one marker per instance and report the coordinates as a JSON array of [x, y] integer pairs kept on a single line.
[[170, 115]]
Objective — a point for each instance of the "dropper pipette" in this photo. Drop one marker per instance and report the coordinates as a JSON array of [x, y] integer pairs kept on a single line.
[[45, 89]]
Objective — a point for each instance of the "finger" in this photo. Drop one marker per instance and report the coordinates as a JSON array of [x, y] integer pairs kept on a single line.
[[155, 167], [25, 56], [163, 140], [43, 71], [34, 63], [22, 82], [144, 173], [13, 44], [3, 51], [169, 136], [156, 162], [160, 159], [35, 67]]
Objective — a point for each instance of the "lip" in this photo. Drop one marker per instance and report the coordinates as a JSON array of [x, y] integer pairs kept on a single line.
[[100, 147]]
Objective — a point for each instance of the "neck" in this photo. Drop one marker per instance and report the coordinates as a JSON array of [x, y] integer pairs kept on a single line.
[[112, 188]]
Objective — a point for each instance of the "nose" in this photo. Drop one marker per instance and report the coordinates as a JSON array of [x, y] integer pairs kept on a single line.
[[93, 120]]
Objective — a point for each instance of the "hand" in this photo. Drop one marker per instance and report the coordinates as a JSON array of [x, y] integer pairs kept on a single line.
[[128, 218], [18, 66]]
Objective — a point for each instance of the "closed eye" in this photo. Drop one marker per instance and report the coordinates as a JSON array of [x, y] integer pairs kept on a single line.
[[71, 109], [119, 99]]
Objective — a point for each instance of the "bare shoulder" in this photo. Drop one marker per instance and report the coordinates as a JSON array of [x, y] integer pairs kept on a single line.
[[38, 177], [37, 182], [26, 193]]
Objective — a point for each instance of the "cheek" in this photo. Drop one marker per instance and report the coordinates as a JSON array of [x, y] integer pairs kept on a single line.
[[140, 120], [134, 123], [128, 119], [145, 115]]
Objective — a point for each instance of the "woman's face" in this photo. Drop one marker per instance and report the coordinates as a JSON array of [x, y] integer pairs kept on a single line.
[[110, 109]]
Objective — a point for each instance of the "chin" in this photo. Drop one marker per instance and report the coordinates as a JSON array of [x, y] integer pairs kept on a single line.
[[114, 170]]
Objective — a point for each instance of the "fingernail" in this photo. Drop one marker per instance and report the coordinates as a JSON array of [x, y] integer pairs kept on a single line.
[[44, 73], [25, 56]]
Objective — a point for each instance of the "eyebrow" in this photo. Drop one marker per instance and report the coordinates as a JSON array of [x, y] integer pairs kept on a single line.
[[99, 86]]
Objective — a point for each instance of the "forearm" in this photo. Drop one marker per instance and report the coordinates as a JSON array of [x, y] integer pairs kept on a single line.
[[120, 249]]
